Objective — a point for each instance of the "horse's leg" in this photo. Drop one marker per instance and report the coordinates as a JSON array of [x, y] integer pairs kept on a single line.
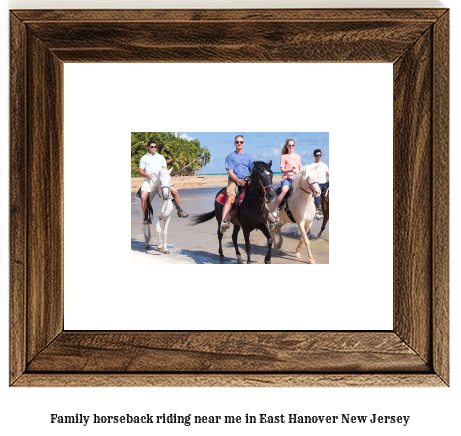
[[246, 234], [279, 244], [234, 240], [159, 233], [325, 218], [147, 235], [276, 244], [324, 223], [298, 248], [276, 248], [267, 234], [220, 236], [165, 233], [305, 239], [218, 208], [145, 228]]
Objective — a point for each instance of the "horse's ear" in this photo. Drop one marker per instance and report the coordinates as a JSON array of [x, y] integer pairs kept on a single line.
[[269, 164], [169, 171]]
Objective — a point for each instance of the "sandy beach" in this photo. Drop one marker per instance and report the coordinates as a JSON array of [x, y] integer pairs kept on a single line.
[[199, 244], [197, 181]]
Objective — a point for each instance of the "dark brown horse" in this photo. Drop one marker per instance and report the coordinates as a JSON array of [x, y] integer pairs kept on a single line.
[[325, 209], [251, 214]]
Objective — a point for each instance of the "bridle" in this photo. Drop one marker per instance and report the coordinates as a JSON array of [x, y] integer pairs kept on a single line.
[[160, 190], [311, 186], [262, 186]]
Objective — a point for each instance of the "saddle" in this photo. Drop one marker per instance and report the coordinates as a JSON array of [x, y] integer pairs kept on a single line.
[[222, 196], [278, 191], [149, 211]]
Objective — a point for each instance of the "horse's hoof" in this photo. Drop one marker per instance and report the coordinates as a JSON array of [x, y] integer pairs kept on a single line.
[[166, 252], [221, 259], [312, 262], [298, 255], [160, 249], [267, 261]]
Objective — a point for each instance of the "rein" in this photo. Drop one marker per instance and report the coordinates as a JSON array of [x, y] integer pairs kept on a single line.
[[310, 187], [262, 186], [160, 190]]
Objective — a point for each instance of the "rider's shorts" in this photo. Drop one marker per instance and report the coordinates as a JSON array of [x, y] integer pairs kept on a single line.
[[287, 182], [231, 187], [146, 185]]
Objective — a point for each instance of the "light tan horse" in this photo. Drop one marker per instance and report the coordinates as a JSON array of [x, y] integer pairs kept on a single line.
[[302, 207]]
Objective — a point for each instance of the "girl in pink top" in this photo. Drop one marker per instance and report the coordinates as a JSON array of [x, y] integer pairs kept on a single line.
[[290, 165]]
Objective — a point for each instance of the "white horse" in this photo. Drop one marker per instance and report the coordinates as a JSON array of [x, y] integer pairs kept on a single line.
[[162, 207], [302, 206]]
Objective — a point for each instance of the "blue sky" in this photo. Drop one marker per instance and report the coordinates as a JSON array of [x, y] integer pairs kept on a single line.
[[263, 146]]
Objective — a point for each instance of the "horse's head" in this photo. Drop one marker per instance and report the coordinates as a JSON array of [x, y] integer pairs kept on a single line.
[[264, 175], [309, 174], [312, 182], [165, 182]]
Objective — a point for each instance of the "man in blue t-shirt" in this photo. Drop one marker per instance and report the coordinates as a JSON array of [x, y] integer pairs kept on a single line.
[[239, 165]]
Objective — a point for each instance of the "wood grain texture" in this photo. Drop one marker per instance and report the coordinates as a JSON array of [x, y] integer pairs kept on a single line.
[[230, 380], [413, 196], [18, 206], [440, 206], [357, 41], [234, 352], [415, 353], [246, 15], [44, 196]]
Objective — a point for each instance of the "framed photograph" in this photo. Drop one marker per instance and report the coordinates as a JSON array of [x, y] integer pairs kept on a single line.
[[415, 352]]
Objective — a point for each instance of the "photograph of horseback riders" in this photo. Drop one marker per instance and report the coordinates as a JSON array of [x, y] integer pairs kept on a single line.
[[230, 197]]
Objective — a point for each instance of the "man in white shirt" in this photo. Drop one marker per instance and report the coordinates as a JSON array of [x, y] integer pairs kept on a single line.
[[151, 163], [323, 172]]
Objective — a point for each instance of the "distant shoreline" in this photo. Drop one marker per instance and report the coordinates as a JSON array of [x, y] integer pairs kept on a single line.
[[196, 181]]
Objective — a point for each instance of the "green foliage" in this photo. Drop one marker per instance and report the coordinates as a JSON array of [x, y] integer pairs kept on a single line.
[[185, 157]]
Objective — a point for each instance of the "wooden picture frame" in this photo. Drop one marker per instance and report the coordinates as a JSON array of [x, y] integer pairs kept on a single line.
[[414, 353]]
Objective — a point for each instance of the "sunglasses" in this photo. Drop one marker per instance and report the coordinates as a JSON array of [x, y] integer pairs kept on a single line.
[[152, 146], [239, 142], [290, 145], [318, 155]]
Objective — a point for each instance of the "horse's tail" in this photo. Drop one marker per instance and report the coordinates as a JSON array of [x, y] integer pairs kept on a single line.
[[202, 218]]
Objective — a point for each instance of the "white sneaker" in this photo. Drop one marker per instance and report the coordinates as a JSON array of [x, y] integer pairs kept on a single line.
[[224, 226]]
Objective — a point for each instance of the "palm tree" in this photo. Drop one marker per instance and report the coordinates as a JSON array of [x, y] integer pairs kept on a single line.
[[184, 156]]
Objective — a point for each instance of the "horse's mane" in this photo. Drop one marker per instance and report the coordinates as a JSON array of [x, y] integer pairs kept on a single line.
[[305, 171], [257, 164]]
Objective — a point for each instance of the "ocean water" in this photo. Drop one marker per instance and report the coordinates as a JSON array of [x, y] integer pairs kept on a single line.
[[225, 174]]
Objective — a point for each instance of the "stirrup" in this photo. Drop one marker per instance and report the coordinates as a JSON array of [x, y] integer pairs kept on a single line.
[[182, 214], [147, 221]]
